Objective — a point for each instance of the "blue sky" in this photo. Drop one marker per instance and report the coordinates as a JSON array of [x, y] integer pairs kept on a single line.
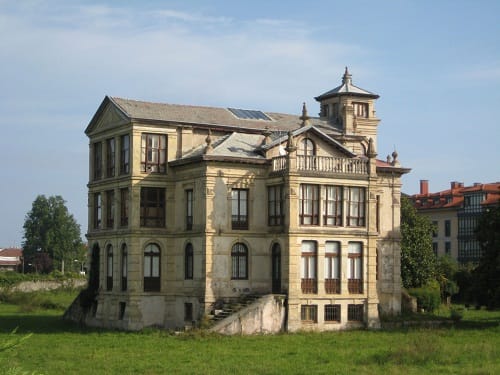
[[435, 64]]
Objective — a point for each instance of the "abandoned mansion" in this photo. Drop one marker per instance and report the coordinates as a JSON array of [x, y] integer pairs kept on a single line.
[[193, 209]]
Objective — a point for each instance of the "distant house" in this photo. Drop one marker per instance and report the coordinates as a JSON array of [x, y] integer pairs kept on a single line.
[[10, 259], [455, 213]]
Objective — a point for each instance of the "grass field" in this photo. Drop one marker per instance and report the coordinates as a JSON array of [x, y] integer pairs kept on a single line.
[[56, 347]]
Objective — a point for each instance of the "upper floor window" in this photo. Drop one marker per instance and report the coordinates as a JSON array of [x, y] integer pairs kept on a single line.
[[110, 209], [333, 206], [124, 207], [306, 154], [124, 267], [109, 268], [153, 153], [308, 267], [275, 205], [355, 271], [97, 210], [324, 110], [152, 268], [125, 154], [239, 262], [435, 228], [447, 228], [189, 209], [152, 207], [355, 206], [360, 109], [97, 160], [188, 261], [332, 267], [309, 204], [110, 157], [239, 208]]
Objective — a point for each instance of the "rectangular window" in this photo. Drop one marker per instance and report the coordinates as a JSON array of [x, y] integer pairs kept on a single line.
[[360, 109], [97, 160], [309, 313], [152, 207], [188, 312], [355, 313], [110, 209], [153, 153], [124, 202], [435, 229], [97, 211], [308, 267], [435, 248], [332, 207], [332, 267], [239, 208], [355, 271], [332, 313], [309, 205], [189, 209], [121, 312], [355, 206], [447, 248], [110, 157], [275, 205], [447, 228], [125, 154]]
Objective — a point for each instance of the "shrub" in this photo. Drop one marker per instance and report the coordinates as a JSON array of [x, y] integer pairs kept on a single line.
[[428, 297], [457, 313]]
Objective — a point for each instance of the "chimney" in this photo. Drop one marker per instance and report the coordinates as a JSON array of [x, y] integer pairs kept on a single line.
[[424, 187], [456, 185]]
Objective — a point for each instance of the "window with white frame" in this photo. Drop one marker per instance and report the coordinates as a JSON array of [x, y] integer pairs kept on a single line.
[[332, 267], [309, 204], [308, 267], [152, 268], [355, 270], [153, 153], [355, 206], [332, 207]]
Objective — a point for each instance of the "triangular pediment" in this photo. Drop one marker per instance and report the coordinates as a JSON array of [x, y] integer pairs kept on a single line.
[[108, 116]]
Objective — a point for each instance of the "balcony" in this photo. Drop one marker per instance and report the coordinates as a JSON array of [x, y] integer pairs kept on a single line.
[[332, 286], [355, 286], [323, 164], [309, 286]]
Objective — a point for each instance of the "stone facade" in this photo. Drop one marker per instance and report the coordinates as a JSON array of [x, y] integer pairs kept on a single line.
[[190, 206]]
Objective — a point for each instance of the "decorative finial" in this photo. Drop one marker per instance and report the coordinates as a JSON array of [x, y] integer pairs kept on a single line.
[[267, 135], [208, 141], [347, 78], [395, 160], [371, 153], [290, 145], [305, 118], [388, 159]]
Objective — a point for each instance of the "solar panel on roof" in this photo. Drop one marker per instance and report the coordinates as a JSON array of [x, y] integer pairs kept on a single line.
[[248, 114]]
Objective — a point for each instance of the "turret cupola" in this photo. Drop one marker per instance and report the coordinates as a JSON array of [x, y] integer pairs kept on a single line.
[[350, 108]]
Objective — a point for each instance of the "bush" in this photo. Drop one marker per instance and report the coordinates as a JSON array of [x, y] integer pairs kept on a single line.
[[428, 297], [457, 313]]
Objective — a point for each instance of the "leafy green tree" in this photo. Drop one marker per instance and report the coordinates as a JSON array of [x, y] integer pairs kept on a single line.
[[486, 277], [418, 262], [51, 234], [446, 272]]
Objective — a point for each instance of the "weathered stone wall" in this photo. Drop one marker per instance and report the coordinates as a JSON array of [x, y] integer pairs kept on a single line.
[[34, 286]]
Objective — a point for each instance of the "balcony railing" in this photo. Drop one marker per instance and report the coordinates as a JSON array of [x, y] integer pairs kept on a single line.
[[323, 164], [332, 286], [355, 286], [309, 286]]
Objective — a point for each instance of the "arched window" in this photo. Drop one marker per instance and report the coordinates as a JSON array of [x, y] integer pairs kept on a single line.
[[239, 262], [124, 267], [152, 268], [188, 261], [306, 154], [109, 267]]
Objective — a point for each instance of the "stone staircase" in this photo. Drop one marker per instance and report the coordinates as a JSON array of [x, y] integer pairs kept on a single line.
[[225, 309]]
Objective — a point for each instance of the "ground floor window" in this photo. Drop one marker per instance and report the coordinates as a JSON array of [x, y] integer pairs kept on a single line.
[[332, 313], [355, 313], [309, 313], [188, 312]]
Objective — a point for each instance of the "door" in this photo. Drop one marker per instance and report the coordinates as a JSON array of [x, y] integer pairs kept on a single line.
[[276, 268]]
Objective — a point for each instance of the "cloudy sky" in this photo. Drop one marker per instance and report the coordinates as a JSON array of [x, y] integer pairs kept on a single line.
[[435, 64]]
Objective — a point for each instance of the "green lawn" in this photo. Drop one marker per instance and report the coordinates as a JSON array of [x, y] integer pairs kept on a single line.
[[56, 347]]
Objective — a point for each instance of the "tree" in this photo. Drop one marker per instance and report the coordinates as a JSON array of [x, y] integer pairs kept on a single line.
[[418, 262], [50, 231], [446, 273], [486, 277]]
